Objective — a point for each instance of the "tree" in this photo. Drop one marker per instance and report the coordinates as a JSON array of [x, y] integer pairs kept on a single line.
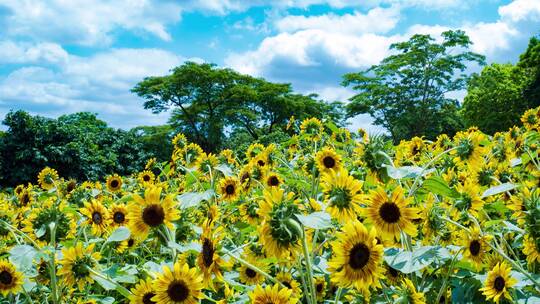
[[529, 61], [155, 140], [406, 92], [79, 146], [210, 102], [495, 100]]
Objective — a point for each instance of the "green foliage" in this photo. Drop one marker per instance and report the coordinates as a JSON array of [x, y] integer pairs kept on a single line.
[[529, 61], [155, 140], [405, 93], [209, 102], [495, 100], [79, 146]]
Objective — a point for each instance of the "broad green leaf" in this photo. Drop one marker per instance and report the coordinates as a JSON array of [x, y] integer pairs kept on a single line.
[[499, 189], [407, 172], [22, 256], [193, 199], [104, 283], [316, 220], [439, 186], [226, 170], [411, 261], [120, 234]]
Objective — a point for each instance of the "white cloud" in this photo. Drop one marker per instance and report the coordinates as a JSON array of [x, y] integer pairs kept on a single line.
[[100, 83], [519, 10], [377, 20], [17, 52], [87, 22]]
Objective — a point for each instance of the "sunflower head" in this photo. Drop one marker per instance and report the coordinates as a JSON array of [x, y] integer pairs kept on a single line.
[[146, 177], [229, 188], [97, 216], [357, 258], [312, 127], [75, 264], [272, 294], [114, 183], [143, 292], [180, 284], [498, 283], [47, 178], [10, 279], [327, 159]]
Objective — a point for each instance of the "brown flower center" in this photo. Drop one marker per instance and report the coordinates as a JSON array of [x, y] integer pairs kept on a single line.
[[251, 273], [329, 162], [229, 189], [208, 252], [147, 298], [6, 278], [97, 218], [389, 212], [474, 247], [119, 217], [499, 283], [114, 184], [178, 291], [359, 256], [273, 181], [153, 215]]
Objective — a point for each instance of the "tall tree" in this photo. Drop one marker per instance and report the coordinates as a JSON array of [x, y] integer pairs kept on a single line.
[[529, 61], [406, 92], [208, 103], [78, 145], [495, 100]]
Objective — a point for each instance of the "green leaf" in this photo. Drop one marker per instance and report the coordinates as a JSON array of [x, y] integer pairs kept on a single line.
[[193, 199], [407, 172], [439, 186], [411, 261], [499, 189], [316, 220], [104, 283], [22, 257], [226, 170], [120, 234]]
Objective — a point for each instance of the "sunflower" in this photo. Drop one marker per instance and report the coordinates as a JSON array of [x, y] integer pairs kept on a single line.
[[312, 127], [273, 180], [209, 261], [327, 159], [391, 214], [531, 249], [127, 244], [498, 282], [146, 177], [192, 152], [288, 281], [272, 294], [357, 258], [118, 215], [75, 263], [249, 211], [409, 294], [179, 285], [320, 288], [342, 194], [97, 216], [47, 178], [277, 236], [150, 212], [36, 224], [114, 183], [10, 279], [476, 246], [143, 292], [179, 141], [468, 150], [250, 276], [253, 150], [229, 189], [469, 201]]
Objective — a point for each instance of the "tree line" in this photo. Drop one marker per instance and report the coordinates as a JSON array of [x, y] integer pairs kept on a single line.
[[217, 108]]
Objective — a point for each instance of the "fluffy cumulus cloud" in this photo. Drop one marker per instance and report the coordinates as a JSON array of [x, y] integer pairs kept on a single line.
[[17, 52], [100, 83], [86, 22]]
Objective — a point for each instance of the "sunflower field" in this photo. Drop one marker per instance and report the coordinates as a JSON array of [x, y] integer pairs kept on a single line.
[[327, 217]]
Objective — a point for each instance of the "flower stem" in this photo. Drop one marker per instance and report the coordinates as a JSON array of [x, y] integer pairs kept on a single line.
[[121, 289], [52, 266], [252, 267]]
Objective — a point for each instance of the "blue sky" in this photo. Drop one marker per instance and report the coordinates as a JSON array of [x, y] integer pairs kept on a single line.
[[59, 57]]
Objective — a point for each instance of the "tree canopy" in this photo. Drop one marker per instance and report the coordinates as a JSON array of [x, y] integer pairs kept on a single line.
[[406, 92], [79, 146], [208, 103]]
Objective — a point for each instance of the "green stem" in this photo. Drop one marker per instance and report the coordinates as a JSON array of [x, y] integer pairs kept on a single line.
[[310, 283], [52, 266], [445, 281], [338, 295]]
